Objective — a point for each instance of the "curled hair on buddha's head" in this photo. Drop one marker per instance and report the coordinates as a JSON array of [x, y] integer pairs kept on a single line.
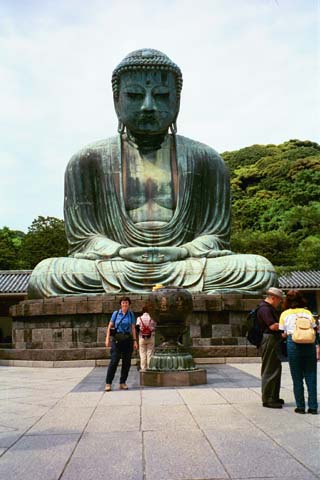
[[125, 299], [294, 299], [146, 59]]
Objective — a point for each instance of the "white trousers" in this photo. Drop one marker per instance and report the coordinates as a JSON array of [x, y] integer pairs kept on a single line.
[[146, 347]]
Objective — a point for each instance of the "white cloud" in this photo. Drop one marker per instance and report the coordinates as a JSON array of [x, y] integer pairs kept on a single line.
[[250, 76]]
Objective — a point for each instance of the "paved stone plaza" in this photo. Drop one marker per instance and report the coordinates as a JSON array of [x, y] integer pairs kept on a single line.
[[57, 423]]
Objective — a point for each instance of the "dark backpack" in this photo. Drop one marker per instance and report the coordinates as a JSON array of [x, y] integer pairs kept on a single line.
[[254, 330]]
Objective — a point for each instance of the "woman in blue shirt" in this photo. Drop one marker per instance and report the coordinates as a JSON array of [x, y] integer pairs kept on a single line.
[[122, 344]]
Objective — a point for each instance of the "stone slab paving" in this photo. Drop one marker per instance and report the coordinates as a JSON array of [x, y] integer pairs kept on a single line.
[[58, 424], [232, 446], [62, 420], [114, 419], [114, 455], [37, 457], [161, 397], [121, 398], [178, 454]]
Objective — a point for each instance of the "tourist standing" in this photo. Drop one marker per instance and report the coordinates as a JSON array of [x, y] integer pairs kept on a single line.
[[316, 317], [302, 356], [146, 327], [268, 317], [122, 343]]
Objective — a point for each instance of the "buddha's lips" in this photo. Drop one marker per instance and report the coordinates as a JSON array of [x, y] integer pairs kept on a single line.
[[148, 117]]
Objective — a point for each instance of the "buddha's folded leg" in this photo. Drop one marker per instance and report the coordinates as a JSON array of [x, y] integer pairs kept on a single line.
[[239, 273], [64, 276], [71, 276], [124, 276]]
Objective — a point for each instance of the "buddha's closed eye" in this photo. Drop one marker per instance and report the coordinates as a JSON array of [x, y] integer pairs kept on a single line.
[[135, 95]]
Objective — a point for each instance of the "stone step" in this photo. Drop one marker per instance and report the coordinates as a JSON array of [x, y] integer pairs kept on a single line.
[[105, 362], [104, 353]]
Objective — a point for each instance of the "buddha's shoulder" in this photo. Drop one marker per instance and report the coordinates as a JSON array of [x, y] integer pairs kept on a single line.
[[95, 149], [198, 148]]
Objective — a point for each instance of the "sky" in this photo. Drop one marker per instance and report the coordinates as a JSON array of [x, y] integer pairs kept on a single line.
[[250, 70]]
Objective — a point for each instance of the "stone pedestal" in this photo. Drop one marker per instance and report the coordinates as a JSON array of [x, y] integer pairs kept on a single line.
[[75, 327], [185, 378]]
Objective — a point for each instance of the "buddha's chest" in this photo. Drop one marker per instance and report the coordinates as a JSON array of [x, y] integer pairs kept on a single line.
[[148, 181], [148, 185]]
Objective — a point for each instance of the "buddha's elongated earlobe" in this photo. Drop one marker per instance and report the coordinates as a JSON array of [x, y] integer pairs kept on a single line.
[[121, 127], [173, 127]]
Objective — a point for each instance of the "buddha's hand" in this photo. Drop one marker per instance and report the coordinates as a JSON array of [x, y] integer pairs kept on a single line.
[[87, 256], [219, 253], [153, 255]]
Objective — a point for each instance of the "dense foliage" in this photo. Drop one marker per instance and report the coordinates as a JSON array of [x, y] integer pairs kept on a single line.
[[275, 211], [10, 248], [275, 208], [45, 238]]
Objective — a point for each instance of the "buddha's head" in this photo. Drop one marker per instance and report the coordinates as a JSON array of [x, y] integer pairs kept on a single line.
[[146, 90]]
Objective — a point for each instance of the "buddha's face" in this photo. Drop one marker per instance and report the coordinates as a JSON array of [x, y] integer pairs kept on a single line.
[[147, 102]]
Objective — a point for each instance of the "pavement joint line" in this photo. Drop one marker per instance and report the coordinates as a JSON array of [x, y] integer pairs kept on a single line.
[[241, 407], [12, 429], [205, 436], [32, 404], [255, 425], [275, 441], [144, 463], [46, 434], [84, 378], [25, 432], [81, 434], [22, 434]]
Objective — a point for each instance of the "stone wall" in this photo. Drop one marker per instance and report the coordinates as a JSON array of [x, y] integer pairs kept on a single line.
[[216, 327]]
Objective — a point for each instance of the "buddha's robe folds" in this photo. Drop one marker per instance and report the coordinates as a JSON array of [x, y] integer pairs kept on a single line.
[[98, 225]]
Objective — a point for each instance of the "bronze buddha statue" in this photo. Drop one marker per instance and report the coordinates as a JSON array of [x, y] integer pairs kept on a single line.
[[148, 206]]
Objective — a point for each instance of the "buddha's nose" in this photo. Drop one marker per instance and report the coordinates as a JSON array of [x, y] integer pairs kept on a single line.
[[148, 103]]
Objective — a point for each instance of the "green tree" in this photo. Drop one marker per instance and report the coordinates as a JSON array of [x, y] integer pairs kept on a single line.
[[275, 208], [277, 246], [45, 238], [10, 247], [308, 254]]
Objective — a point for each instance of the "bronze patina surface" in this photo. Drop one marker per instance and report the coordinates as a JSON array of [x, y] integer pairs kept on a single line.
[[171, 308], [148, 206]]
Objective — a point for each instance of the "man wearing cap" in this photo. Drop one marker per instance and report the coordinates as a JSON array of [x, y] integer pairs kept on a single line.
[[268, 317]]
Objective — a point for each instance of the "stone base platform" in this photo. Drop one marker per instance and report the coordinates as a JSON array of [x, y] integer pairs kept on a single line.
[[176, 378], [105, 362], [74, 328], [75, 354]]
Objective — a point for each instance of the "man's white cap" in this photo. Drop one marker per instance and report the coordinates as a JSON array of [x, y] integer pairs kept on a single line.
[[275, 291]]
